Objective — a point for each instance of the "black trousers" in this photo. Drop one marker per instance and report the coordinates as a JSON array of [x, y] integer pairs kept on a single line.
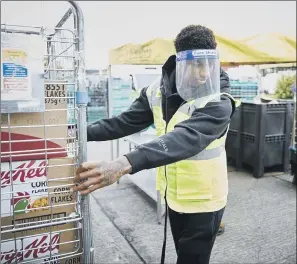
[[194, 235]]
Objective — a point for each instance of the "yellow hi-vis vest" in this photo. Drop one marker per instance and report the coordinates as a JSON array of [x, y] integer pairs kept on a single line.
[[200, 183]]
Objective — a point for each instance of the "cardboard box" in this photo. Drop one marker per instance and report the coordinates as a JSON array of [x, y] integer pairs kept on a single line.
[[36, 188], [32, 182], [54, 248], [43, 137]]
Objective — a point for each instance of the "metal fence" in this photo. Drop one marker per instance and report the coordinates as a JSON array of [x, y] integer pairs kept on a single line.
[[42, 221]]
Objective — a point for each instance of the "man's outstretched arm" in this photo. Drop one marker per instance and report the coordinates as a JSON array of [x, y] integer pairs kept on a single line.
[[187, 139], [138, 117]]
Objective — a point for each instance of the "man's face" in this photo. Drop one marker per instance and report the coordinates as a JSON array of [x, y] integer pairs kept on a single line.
[[198, 72]]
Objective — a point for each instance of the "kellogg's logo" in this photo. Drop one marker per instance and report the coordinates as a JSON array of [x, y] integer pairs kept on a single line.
[[11, 256], [30, 248], [23, 172], [41, 246]]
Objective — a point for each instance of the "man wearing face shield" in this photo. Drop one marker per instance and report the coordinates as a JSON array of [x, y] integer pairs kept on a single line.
[[191, 109]]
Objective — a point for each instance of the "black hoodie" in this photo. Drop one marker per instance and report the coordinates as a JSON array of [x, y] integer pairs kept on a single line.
[[188, 137]]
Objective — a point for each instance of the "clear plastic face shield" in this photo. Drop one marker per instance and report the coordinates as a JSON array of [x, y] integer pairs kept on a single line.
[[198, 74]]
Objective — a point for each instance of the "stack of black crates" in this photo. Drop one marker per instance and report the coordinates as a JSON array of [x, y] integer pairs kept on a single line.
[[259, 137]]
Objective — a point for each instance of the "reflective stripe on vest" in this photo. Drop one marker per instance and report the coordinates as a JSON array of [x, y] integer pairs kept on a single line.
[[208, 154]]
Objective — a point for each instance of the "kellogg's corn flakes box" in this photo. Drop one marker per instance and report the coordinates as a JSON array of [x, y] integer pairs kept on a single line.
[[36, 192]]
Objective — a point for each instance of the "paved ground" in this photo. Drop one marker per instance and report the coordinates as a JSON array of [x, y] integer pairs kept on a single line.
[[260, 221]]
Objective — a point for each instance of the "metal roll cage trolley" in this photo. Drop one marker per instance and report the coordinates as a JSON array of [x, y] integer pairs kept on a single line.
[[57, 226]]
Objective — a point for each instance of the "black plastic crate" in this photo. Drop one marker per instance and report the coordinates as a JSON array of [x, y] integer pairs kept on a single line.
[[259, 136]]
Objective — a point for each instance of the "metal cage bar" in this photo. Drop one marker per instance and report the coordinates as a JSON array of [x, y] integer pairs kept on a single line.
[[82, 131]]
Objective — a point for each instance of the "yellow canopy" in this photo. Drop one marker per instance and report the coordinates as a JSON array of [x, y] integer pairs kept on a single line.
[[275, 45], [157, 51]]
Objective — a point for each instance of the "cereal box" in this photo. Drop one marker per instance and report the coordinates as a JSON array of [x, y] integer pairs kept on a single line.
[[47, 248], [30, 134], [35, 185]]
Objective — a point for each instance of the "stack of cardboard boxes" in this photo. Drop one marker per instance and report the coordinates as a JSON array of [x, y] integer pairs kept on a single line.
[[36, 178]]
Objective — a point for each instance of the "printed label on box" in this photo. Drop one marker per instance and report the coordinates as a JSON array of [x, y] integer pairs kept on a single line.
[[15, 77], [55, 95], [21, 64]]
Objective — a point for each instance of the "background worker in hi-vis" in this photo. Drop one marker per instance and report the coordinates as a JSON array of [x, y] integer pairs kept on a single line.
[[191, 108]]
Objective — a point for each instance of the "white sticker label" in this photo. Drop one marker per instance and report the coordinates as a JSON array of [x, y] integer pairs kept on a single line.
[[196, 53]]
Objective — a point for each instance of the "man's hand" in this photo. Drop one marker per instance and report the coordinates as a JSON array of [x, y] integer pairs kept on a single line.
[[100, 174]]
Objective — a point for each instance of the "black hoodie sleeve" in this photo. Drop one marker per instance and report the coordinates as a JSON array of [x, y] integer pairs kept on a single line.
[[188, 137], [138, 117]]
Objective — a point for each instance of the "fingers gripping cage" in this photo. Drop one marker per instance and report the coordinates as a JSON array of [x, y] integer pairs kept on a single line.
[[41, 220]]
